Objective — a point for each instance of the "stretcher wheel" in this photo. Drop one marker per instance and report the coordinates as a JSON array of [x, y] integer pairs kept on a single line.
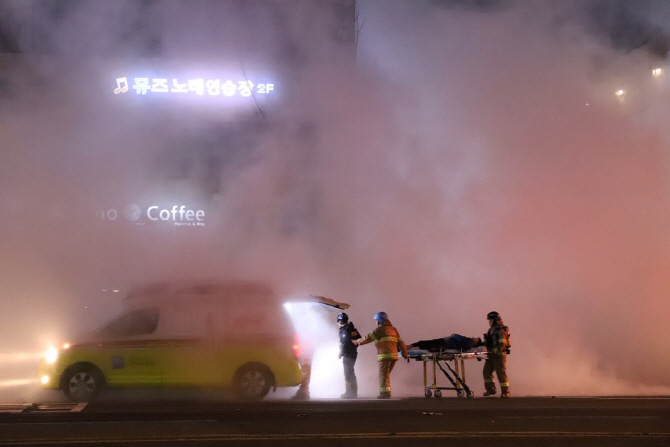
[[428, 393], [471, 394], [460, 393], [438, 393]]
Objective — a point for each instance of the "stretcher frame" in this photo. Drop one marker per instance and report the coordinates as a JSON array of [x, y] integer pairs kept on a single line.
[[455, 375]]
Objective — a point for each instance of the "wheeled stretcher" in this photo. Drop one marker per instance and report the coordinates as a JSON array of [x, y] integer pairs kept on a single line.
[[444, 360]]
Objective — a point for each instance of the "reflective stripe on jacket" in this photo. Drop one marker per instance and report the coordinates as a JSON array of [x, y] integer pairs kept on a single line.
[[386, 339], [498, 339]]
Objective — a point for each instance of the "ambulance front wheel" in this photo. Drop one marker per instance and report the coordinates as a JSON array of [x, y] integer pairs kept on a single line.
[[82, 382]]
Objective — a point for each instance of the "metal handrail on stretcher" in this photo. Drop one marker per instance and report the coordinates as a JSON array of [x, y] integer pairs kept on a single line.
[[455, 375]]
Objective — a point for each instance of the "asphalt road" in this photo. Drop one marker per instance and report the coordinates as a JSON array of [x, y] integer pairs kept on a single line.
[[610, 422]]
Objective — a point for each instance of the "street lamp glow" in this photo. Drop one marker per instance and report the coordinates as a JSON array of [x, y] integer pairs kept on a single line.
[[619, 93], [657, 72]]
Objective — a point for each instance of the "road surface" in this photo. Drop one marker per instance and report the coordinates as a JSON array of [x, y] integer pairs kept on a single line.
[[525, 421]]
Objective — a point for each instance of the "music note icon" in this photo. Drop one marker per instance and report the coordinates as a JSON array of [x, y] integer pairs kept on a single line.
[[121, 85]]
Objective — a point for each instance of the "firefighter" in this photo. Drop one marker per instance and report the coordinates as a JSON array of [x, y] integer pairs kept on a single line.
[[306, 358], [348, 354], [307, 327], [386, 339], [497, 341]]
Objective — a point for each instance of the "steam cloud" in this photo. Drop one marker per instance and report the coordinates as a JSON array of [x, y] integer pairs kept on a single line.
[[476, 159]]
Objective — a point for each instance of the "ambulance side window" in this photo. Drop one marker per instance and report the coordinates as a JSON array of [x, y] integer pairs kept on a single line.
[[137, 322], [183, 321]]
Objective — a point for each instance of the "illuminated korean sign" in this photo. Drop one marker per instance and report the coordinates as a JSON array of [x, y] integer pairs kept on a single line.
[[197, 87]]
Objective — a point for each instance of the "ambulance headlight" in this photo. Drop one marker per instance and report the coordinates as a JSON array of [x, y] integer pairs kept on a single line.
[[51, 356]]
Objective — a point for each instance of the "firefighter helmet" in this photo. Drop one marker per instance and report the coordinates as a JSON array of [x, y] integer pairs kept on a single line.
[[381, 317], [343, 318], [493, 316]]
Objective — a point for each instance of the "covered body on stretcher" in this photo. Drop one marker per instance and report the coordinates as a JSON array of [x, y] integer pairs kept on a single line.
[[442, 353]]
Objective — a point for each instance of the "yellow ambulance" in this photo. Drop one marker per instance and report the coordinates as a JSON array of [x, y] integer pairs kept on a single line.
[[235, 334]]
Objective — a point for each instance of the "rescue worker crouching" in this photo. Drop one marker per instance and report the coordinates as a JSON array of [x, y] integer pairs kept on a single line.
[[497, 341], [348, 354], [386, 339]]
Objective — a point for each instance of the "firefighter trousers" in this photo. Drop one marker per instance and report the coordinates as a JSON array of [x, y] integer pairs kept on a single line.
[[303, 389], [385, 368], [497, 363]]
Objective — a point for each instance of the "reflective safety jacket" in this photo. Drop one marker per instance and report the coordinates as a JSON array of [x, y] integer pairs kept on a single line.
[[497, 339], [386, 339]]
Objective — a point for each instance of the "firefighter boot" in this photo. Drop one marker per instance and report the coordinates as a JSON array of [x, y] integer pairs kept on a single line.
[[301, 394], [504, 392], [490, 390]]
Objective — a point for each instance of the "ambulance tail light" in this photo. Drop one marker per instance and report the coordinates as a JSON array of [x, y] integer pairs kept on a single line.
[[296, 346]]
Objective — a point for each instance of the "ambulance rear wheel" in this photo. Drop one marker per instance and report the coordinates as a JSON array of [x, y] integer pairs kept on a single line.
[[253, 382], [82, 383]]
